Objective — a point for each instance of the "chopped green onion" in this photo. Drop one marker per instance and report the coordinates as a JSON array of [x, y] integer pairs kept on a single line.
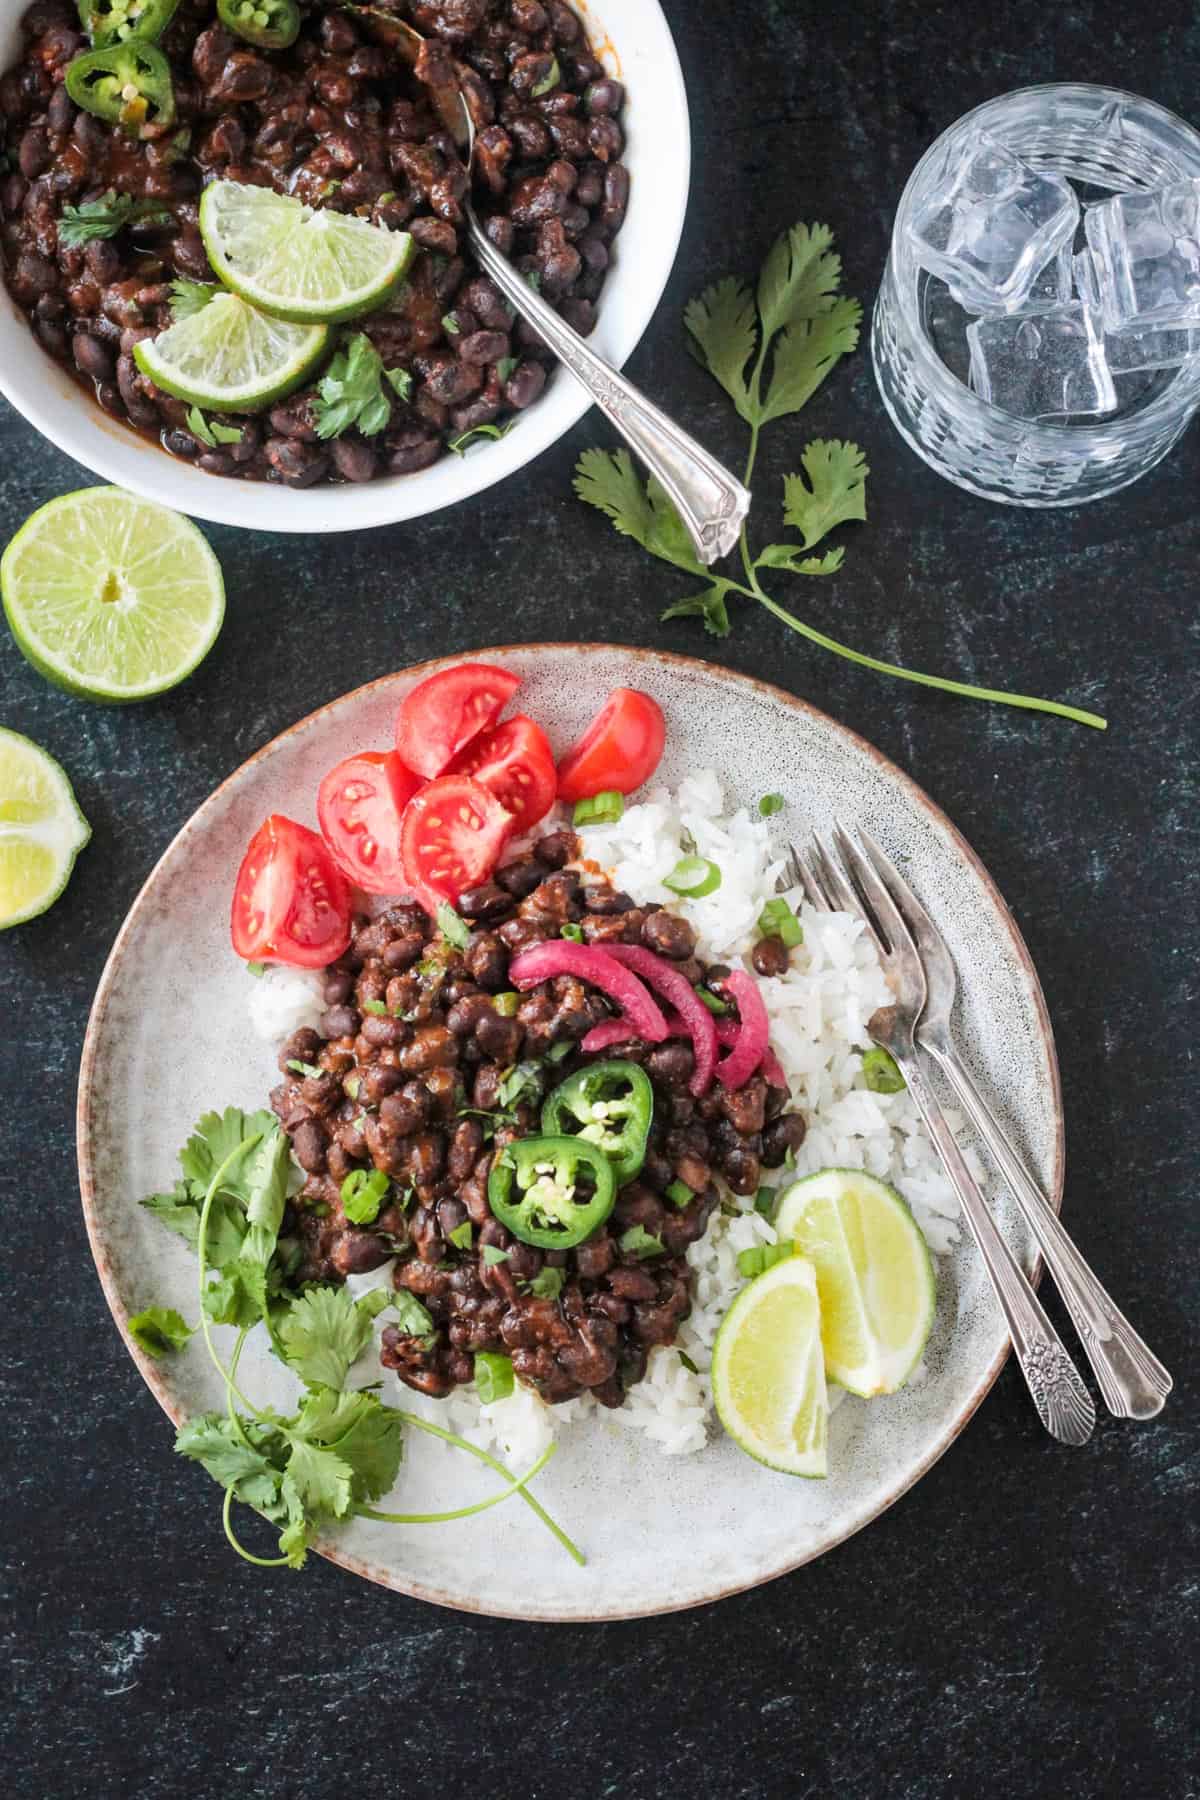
[[506, 1004], [559, 1052], [256, 969], [549, 81], [764, 1201], [374, 1006], [456, 931], [762, 1257], [450, 325], [639, 1242], [601, 809], [778, 920], [679, 1194], [460, 1237], [493, 1376], [771, 803], [573, 933], [492, 1255], [693, 877], [880, 1072], [687, 1362], [351, 1086], [363, 1194], [714, 1005]]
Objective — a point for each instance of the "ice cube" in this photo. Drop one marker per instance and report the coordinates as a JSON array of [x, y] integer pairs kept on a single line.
[[946, 324], [1046, 366], [1051, 289], [1137, 347], [1146, 252], [996, 225]]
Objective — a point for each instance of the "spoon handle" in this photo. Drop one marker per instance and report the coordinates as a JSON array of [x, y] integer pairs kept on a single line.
[[711, 502]]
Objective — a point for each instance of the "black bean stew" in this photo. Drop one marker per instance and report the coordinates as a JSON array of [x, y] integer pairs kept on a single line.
[[421, 1070], [340, 120]]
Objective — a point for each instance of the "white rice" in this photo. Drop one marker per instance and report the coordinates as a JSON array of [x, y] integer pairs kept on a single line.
[[818, 1013]]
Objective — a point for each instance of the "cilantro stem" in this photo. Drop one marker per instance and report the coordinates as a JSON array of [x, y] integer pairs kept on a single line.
[[231, 1387], [515, 1486], [460, 1443], [260, 1562]]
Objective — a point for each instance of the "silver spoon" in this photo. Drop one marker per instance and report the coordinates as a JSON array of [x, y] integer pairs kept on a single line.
[[711, 502]]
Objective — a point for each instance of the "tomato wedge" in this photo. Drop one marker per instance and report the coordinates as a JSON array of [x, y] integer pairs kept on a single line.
[[453, 833], [620, 749], [291, 903], [514, 762], [359, 805], [444, 713]]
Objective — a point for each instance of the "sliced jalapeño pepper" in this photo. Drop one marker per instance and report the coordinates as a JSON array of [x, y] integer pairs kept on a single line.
[[128, 84], [552, 1192], [267, 24], [609, 1104], [110, 22]]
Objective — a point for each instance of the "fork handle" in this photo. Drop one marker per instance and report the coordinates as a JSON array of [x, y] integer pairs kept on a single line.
[[1132, 1380], [1055, 1384], [710, 500]]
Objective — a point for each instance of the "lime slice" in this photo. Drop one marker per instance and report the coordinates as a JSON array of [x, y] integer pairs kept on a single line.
[[42, 829], [768, 1373], [229, 357], [296, 261], [874, 1276], [111, 597]]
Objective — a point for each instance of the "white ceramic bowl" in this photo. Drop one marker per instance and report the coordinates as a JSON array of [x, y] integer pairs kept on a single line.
[[632, 38]]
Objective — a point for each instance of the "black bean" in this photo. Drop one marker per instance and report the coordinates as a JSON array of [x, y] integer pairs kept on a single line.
[[297, 464], [605, 96], [33, 152], [353, 459], [340, 1021], [525, 384], [783, 1134], [770, 956]]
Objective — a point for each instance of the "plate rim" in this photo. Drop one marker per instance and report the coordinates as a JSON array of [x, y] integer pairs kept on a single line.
[[148, 1369]]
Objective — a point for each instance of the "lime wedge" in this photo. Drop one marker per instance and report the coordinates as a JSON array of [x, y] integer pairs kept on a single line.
[[230, 358], [296, 261], [874, 1276], [111, 597], [42, 829], [768, 1373]]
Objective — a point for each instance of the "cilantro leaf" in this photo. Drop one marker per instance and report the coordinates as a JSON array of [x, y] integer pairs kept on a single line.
[[159, 1330], [188, 297], [799, 279], [214, 1442], [197, 424], [833, 494], [231, 1301], [296, 1536], [400, 381], [805, 354], [783, 556], [215, 1138], [322, 1333], [493, 1255], [104, 217], [609, 481], [709, 606], [723, 329], [351, 393], [461, 1236], [460, 445], [453, 928], [639, 1242], [367, 1436], [179, 1211], [322, 1481], [547, 1284], [415, 1320]]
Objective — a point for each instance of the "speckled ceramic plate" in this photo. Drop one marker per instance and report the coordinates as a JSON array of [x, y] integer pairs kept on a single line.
[[168, 1039]]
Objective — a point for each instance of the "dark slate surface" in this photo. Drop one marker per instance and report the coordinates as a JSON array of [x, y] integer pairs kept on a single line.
[[1027, 1615]]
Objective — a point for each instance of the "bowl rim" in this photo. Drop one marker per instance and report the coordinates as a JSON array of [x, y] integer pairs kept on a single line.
[[112, 450], [89, 1074]]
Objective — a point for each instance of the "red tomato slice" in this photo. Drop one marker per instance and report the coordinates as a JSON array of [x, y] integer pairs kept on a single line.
[[443, 714], [359, 805], [453, 833], [290, 901], [620, 749], [514, 762]]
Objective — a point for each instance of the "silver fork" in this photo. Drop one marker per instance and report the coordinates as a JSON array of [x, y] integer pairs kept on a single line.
[[1132, 1380], [1055, 1384]]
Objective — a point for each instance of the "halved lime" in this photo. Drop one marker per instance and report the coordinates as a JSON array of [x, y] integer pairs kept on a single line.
[[42, 829], [874, 1275], [768, 1373], [230, 358], [297, 261], [111, 597]]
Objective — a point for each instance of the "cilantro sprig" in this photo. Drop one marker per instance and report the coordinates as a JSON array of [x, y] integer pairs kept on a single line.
[[351, 392], [341, 1449], [105, 216], [770, 350]]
